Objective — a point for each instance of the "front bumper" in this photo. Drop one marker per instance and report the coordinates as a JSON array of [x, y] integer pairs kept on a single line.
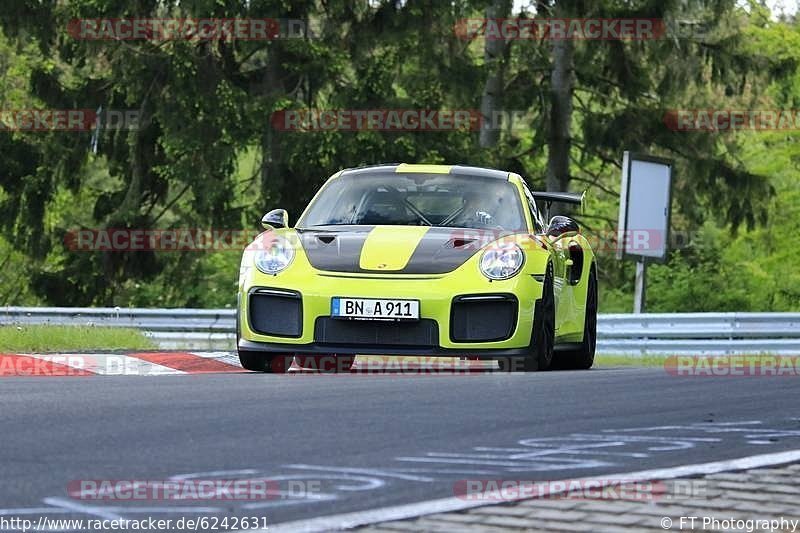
[[435, 333], [350, 349]]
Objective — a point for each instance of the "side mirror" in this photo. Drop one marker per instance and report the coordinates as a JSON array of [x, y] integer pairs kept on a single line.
[[559, 225], [277, 218]]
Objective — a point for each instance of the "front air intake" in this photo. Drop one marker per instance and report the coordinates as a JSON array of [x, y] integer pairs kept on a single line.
[[483, 317], [276, 312]]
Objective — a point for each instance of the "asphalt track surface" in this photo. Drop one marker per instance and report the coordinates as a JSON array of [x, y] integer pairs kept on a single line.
[[359, 442]]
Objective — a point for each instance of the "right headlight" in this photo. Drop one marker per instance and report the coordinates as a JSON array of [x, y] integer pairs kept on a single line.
[[502, 261], [278, 255]]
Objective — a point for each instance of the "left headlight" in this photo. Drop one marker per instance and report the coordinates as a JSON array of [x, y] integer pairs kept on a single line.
[[502, 261], [275, 258]]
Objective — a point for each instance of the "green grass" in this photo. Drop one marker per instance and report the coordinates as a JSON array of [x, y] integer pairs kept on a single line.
[[624, 360], [43, 338]]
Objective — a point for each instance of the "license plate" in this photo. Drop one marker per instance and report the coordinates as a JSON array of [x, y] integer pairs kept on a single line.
[[375, 308]]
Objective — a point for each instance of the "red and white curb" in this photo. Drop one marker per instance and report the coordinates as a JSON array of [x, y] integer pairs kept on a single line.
[[166, 363], [118, 364]]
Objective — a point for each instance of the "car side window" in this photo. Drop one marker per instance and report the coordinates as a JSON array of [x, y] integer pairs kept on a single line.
[[538, 224]]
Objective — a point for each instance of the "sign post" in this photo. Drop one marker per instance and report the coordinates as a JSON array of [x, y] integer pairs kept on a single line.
[[639, 293], [644, 216]]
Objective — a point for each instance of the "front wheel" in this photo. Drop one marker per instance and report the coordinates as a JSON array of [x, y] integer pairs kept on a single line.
[[265, 362], [582, 357], [540, 354]]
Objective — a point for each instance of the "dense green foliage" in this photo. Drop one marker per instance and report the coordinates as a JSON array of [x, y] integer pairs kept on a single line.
[[205, 155]]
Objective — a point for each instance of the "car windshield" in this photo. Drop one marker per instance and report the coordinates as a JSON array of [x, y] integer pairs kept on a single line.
[[417, 200]]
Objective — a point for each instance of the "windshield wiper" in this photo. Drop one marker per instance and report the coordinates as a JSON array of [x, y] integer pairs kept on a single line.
[[331, 224]]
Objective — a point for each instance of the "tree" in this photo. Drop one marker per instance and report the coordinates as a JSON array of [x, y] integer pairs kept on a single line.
[[495, 59], [205, 155]]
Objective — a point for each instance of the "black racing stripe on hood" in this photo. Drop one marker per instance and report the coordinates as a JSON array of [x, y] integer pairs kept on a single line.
[[443, 250], [335, 250], [440, 250]]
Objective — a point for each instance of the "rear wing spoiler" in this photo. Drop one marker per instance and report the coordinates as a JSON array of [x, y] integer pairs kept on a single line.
[[561, 197]]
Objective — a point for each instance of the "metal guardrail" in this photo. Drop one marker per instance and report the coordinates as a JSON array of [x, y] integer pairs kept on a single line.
[[624, 334], [190, 329]]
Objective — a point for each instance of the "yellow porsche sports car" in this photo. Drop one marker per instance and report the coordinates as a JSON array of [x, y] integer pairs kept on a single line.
[[430, 260]]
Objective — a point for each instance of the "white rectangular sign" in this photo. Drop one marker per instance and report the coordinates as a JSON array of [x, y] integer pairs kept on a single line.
[[644, 211]]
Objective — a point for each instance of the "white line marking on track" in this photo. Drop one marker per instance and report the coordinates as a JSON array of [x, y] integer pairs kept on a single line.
[[368, 471], [705, 426], [34, 510], [526, 453], [455, 461], [414, 510], [324, 497], [539, 465], [445, 471], [100, 512], [213, 474], [350, 481]]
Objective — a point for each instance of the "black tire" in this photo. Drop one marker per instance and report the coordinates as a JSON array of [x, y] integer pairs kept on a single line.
[[327, 364], [265, 362], [540, 354], [582, 358]]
